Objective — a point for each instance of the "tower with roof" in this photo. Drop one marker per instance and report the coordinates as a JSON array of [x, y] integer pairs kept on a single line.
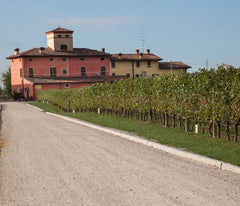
[[60, 39]]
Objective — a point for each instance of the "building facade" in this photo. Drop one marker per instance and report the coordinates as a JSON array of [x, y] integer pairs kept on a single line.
[[134, 65], [58, 66], [175, 67], [143, 64]]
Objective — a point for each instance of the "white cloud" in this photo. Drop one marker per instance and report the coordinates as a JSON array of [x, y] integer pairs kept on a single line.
[[94, 22]]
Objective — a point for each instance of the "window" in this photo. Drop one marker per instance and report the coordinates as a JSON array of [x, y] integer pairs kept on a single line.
[[102, 58], [96, 74], [82, 59], [64, 59], [30, 72], [128, 75], [30, 59], [51, 59], [52, 72], [67, 85], [137, 63], [63, 47], [103, 71], [66, 35], [64, 71], [20, 72], [59, 35], [148, 63], [83, 71], [113, 63], [12, 60], [113, 74]]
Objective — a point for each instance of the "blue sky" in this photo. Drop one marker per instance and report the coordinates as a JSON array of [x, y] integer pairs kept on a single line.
[[191, 31]]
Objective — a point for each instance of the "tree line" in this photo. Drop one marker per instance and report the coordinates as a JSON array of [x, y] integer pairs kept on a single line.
[[6, 80]]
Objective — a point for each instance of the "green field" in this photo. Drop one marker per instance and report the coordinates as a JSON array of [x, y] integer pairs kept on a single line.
[[216, 148]]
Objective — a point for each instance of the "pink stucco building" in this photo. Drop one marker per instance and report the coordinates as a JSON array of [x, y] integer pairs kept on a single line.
[[58, 66]]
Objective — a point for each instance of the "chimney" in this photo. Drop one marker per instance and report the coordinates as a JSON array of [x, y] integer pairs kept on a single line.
[[103, 50], [148, 51], [41, 50], [16, 51], [119, 55], [137, 51]]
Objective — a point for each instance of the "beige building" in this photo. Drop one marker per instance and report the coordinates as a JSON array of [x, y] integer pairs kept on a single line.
[[143, 64], [173, 67]]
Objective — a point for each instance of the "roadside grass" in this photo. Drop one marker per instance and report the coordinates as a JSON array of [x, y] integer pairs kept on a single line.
[[216, 148]]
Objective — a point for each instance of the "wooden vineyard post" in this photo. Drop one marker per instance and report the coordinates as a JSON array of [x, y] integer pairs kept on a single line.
[[236, 131], [213, 123], [218, 129], [173, 120], [214, 129], [179, 122], [166, 119], [227, 130], [186, 124], [150, 115]]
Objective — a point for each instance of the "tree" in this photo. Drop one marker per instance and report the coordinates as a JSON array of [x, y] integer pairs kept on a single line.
[[6, 78]]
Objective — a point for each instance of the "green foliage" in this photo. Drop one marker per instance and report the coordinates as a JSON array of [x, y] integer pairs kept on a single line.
[[6, 78], [202, 96], [1, 90]]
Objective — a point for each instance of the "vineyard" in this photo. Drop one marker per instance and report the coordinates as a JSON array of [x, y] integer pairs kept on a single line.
[[207, 98]]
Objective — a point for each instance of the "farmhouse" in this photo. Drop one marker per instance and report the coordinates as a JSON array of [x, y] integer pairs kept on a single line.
[[143, 64], [58, 66]]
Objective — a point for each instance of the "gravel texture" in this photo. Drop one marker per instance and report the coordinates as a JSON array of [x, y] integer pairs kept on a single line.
[[50, 161]]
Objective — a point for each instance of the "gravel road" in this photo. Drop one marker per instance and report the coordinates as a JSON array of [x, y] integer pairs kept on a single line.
[[50, 161]]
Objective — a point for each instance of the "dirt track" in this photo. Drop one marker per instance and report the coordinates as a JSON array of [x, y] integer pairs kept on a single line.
[[49, 161]]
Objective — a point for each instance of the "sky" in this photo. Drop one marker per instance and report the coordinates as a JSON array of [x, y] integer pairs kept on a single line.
[[192, 31]]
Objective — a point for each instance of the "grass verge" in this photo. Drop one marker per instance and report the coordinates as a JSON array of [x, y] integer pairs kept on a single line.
[[217, 148]]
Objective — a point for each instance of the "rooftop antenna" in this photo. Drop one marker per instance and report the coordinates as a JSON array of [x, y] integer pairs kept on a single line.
[[16, 44], [143, 40]]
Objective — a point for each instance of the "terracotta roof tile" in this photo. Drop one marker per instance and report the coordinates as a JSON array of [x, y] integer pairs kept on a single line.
[[60, 30], [175, 65], [124, 57], [50, 52]]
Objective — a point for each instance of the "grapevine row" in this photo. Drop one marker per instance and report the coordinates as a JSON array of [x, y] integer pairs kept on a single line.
[[207, 96]]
